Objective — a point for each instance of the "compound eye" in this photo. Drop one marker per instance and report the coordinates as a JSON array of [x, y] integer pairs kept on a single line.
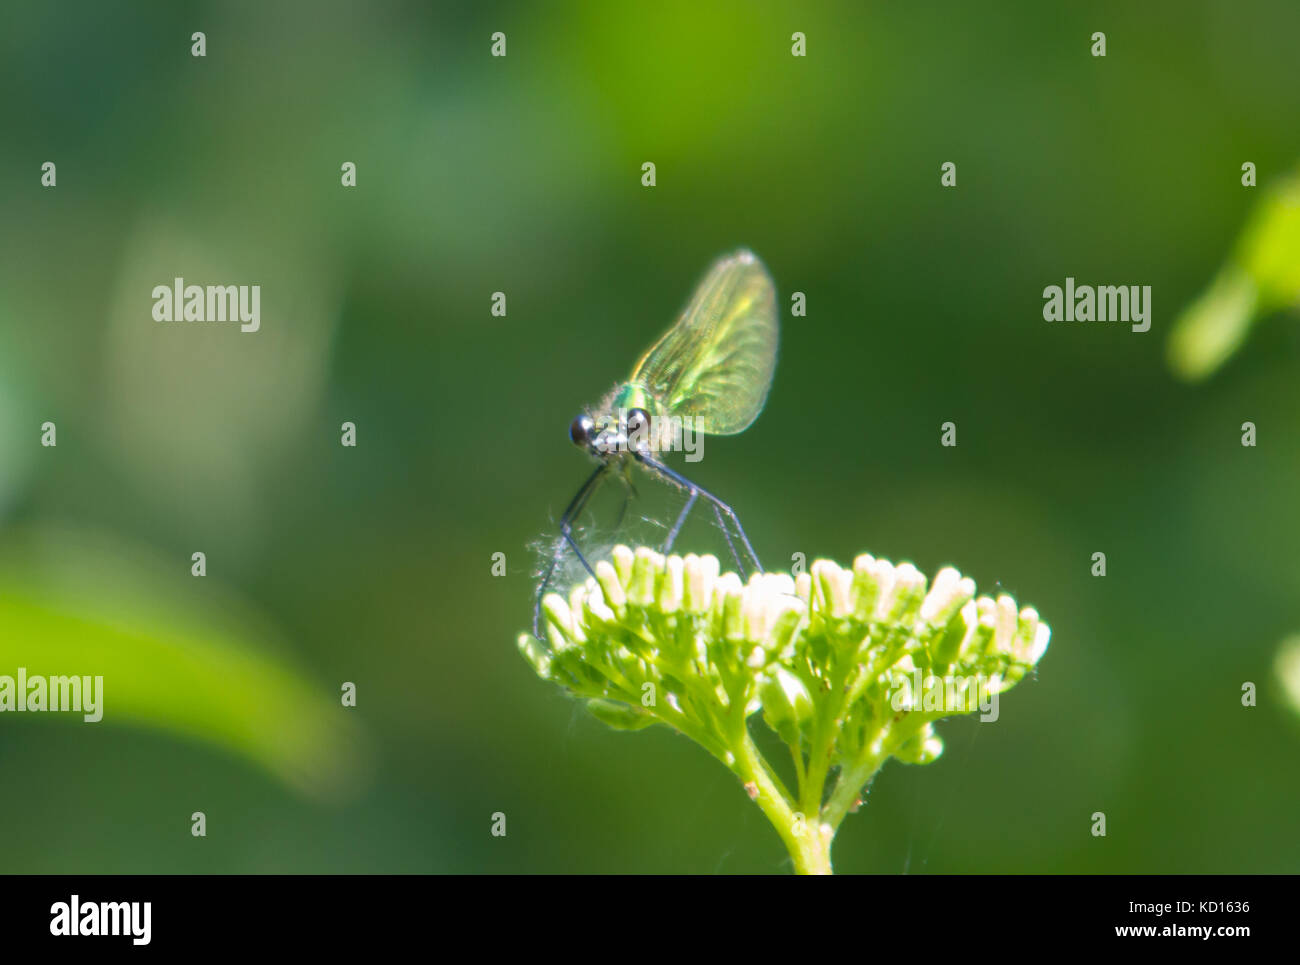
[[637, 420], [580, 430]]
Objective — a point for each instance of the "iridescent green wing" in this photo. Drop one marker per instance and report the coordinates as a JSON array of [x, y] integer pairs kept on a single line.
[[715, 365]]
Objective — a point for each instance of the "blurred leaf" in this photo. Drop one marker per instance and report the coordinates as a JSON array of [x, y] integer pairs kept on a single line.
[[1287, 667], [1262, 276], [175, 653], [1270, 246], [1212, 328]]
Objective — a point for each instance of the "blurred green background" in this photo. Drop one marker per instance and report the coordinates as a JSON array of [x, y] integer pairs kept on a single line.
[[478, 174]]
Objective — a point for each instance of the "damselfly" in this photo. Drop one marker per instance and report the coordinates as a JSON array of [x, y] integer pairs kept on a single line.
[[710, 374]]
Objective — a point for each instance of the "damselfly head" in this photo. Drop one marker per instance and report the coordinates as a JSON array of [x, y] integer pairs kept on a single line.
[[627, 430]]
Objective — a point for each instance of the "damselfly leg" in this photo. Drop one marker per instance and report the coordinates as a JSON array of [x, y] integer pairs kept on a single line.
[[565, 542], [721, 511]]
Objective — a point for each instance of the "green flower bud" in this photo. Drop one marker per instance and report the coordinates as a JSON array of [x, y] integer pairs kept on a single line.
[[790, 613], [700, 574], [622, 558], [787, 704], [923, 748], [620, 716], [803, 587], [641, 586], [1006, 620], [949, 643], [883, 573], [835, 586], [535, 654], [671, 586], [909, 592], [947, 596], [866, 588], [612, 588], [727, 601], [559, 621]]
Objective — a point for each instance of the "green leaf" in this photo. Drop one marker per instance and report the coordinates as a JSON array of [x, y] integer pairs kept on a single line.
[[176, 653]]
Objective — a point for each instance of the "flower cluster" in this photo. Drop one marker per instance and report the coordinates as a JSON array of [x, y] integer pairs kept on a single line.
[[849, 666]]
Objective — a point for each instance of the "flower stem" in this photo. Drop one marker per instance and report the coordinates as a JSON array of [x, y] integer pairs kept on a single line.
[[804, 836]]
